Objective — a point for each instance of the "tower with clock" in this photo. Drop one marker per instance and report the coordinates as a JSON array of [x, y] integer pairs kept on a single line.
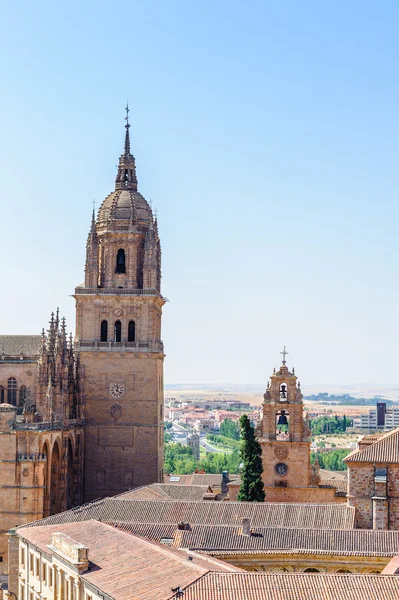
[[118, 338], [284, 436]]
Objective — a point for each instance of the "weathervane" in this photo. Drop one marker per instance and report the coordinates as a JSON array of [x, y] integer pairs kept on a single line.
[[284, 353], [127, 114], [94, 204]]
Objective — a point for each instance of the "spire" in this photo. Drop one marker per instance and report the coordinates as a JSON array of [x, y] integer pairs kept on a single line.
[[127, 136], [126, 178]]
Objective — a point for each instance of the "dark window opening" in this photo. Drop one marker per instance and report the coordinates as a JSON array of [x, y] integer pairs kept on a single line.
[[282, 425], [1, 394], [12, 391], [120, 262], [22, 395], [104, 331], [131, 334], [118, 331]]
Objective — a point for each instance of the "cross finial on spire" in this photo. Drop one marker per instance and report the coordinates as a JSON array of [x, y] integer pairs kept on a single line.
[[94, 205], [127, 136], [284, 353]]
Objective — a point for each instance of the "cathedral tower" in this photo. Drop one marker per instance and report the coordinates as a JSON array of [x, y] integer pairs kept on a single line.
[[118, 331]]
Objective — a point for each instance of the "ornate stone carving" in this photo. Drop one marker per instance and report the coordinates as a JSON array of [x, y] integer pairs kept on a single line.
[[281, 452], [116, 412], [25, 472]]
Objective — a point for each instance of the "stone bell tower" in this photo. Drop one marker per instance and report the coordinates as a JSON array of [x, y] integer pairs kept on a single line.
[[118, 336], [284, 437]]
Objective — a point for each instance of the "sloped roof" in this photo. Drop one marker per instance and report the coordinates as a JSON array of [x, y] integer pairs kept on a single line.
[[118, 509], [11, 345], [354, 542], [224, 539], [384, 450], [293, 586], [127, 567], [162, 491]]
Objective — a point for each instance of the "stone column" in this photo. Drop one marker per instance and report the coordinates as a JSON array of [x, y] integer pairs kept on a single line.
[[55, 582], [77, 589], [69, 584]]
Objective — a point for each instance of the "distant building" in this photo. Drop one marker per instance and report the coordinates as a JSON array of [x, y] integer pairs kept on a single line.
[[193, 442], [380, 418]]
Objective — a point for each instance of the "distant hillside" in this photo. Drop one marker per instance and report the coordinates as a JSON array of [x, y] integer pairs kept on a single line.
[[346, 399]]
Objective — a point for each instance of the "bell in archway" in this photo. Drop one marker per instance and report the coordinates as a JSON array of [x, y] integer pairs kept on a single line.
[[282, 420], [283, 392]]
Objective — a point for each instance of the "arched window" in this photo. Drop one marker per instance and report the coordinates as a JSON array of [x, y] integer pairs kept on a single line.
[[282, 426], [22, 395], [118, 331], [131, 333], [311, 570], [1, 394], [12, 391], [343, 571], [120, 262], [104, 331]]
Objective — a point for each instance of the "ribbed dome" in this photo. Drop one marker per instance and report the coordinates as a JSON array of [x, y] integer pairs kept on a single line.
[[125, 205]]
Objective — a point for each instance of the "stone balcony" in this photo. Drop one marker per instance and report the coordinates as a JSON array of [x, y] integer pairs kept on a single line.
[[116, 291], [142, 346]]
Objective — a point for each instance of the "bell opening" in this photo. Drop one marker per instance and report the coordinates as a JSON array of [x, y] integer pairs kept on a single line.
[[282, 426], [283, 393]]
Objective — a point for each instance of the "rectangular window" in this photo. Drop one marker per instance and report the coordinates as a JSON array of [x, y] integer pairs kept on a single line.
[[380, 475], [44, 572], [31, 562], [37, 567], [50, 577]]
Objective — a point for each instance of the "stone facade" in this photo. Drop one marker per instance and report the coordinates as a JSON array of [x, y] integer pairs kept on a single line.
[[284, 436], [41, 429], [83, 419], [373, 482]]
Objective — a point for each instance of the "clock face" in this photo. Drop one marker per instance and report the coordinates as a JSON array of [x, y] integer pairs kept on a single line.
[[117, 390], [281, 469]]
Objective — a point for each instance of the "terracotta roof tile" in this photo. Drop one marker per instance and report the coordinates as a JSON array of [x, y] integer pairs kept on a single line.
[[355, 541], [327, 516], [163, 491], [384, 450], [127, 567], [293, 586]]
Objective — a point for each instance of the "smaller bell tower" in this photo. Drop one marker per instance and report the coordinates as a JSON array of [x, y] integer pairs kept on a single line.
[[285, 436]]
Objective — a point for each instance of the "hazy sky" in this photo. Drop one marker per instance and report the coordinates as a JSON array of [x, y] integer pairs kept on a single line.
[[266, 134]]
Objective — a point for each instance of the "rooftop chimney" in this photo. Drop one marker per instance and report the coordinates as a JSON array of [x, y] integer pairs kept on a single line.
[[246, 527]]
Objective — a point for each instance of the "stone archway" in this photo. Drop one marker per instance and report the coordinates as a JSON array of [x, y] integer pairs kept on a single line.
[[71, 487], [46, 475], [55, 481]]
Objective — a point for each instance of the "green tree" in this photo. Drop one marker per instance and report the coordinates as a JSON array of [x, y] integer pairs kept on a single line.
[[251, 489], [230, 429]]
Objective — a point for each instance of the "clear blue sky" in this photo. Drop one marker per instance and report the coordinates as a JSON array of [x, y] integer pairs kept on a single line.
[[266, 133]]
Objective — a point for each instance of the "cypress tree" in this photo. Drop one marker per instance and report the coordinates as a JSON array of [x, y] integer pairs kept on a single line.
[[251, 489]]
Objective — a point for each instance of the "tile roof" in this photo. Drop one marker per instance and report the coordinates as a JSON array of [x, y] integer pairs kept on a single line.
[[211, 479], [293, 586], [127, 567], [333, 475], [355, 542], [117, 509], [341, 485], [384, 450], [163, 491], [11, 345]]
